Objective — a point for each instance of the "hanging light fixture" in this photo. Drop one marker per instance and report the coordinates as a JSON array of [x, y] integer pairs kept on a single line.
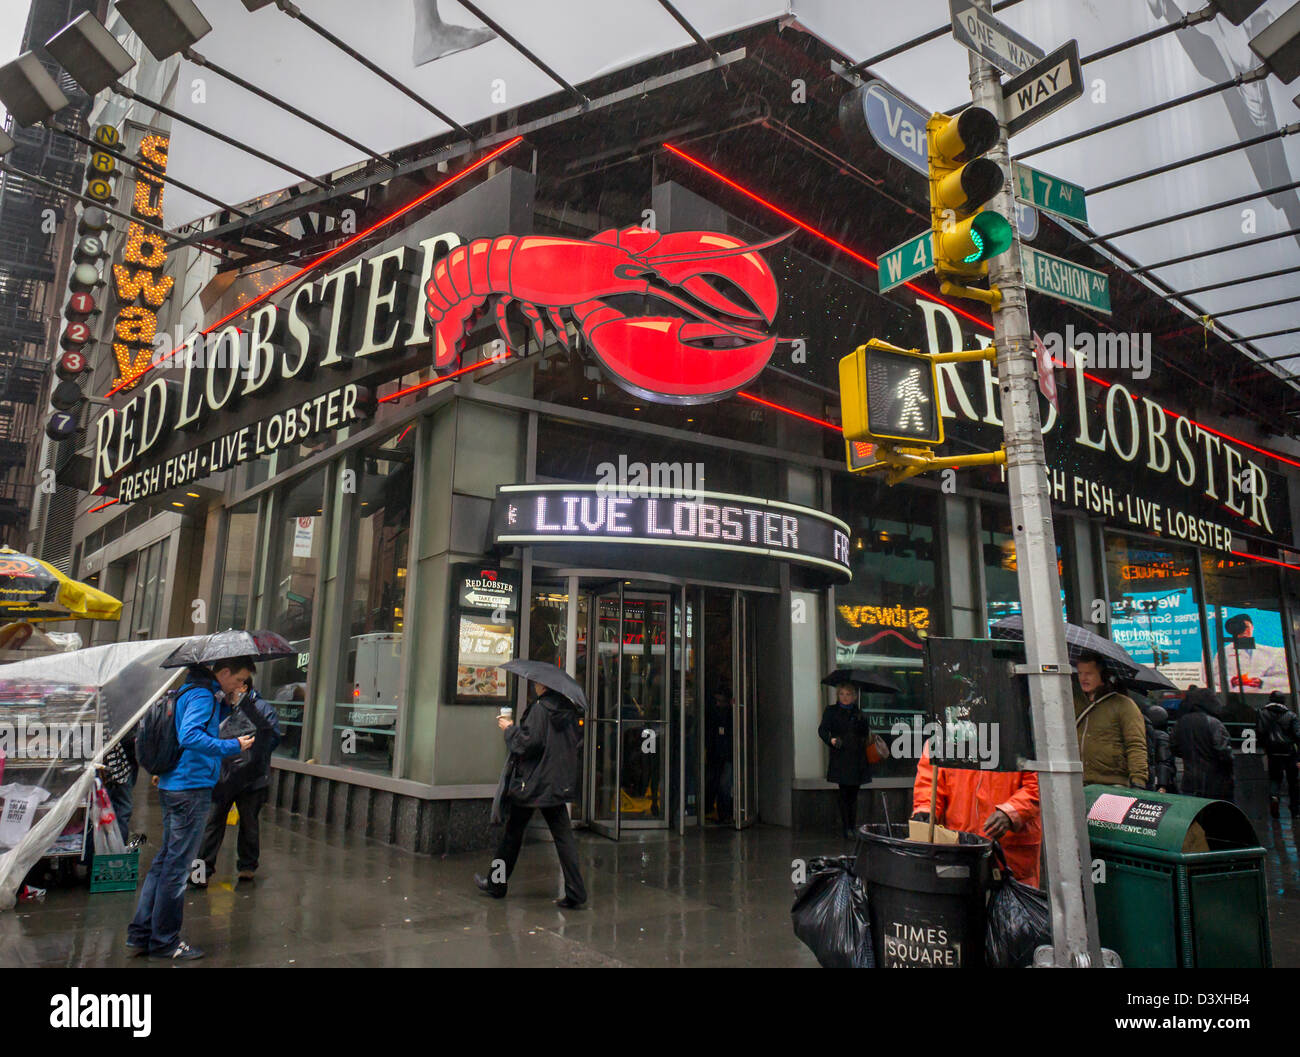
[[1278, 45], [165, 26], [90, 53], [28, 91]]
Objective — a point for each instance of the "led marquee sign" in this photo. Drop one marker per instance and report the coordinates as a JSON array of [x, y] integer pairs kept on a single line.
[[548, 514]]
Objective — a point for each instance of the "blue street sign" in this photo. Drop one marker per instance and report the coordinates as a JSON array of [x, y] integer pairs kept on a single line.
[[896, 124]]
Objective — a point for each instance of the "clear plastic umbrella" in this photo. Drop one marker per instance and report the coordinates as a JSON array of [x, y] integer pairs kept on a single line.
[[222, 645]]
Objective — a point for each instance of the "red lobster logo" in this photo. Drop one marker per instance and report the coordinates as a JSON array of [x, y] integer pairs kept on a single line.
[[691, 360]]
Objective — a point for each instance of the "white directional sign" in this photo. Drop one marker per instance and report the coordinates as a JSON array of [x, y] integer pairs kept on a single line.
[[983, 34], [1055, 81]]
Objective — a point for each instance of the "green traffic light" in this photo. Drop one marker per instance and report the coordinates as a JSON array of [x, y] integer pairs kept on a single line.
[[991, 234]]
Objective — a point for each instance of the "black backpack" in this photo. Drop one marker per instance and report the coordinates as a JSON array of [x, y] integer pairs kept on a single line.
[[1277, 741], [157, 745]]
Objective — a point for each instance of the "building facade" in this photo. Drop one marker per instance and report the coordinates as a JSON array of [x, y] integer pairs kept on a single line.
[[607, 439]]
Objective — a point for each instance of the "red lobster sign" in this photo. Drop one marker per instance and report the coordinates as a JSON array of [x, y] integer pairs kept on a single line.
[[707, 349]]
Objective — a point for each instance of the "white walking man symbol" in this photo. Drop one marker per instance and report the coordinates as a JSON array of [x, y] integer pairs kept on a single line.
[[912, 396]]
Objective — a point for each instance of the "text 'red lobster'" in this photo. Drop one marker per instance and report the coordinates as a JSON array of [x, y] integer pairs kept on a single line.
[[683, 360]]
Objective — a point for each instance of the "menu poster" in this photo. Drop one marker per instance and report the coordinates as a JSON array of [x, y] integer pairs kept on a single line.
[[485, 608], [481, 650]]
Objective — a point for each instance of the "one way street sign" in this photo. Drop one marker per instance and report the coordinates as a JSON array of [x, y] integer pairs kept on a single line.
[[980, 32], [1037, 92]]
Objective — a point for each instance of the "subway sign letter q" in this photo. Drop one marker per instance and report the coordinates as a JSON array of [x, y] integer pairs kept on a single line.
[[888, 394]]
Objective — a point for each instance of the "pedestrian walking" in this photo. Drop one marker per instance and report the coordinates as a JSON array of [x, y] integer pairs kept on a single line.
[[541, 772], [1112, 734], [1201, 740], [245, 782], [846, 729], [1277, 732], [1164, 772], [185, 793]]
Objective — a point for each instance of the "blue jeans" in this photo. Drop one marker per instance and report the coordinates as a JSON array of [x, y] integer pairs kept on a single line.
[[157, 921]]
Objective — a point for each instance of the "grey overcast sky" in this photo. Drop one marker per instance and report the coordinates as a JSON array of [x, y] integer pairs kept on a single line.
[[13, 17]]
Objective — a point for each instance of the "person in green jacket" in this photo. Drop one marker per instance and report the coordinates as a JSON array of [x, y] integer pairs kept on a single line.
[[1112, 734]]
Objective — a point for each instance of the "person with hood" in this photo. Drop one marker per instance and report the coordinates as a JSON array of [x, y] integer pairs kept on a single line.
[[1278, 734], [1201, 740], [1000, 805], [1112, 733], [1164, 772], [846, 729], [541, 773], [186, 794], [245, 782]]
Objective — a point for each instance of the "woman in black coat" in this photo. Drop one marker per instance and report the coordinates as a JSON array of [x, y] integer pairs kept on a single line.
[[846, 729], [541, 773]]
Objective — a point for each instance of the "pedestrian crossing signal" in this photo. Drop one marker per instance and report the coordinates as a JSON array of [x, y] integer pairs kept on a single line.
[[889, 394]]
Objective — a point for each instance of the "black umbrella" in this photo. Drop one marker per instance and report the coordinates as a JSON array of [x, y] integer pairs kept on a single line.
[[551, 677], [222, 645], [866, 680], [1147, 681], [1078, 641]]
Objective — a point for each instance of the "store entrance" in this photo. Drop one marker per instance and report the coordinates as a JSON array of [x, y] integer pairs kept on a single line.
[[669, 673]]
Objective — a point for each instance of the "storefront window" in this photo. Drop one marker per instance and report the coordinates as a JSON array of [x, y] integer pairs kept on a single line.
[[1155, 607], [882, 617], [237, 566], [293, 589], [1243, 616], [369, 692], [1001, 579], [147, 621]]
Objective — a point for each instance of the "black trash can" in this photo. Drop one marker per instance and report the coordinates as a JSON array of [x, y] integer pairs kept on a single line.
[[926, 902]]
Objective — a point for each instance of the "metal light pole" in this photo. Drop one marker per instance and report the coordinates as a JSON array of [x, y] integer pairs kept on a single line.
[[1074, 918]]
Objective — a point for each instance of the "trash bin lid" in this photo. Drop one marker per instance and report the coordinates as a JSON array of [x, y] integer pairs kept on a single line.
[[1164, 821]]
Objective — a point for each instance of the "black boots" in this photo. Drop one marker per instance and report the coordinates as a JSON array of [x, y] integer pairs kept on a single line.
[[496, 891]]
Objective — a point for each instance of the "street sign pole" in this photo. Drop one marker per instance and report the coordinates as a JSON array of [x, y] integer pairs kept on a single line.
[[1074, 918]]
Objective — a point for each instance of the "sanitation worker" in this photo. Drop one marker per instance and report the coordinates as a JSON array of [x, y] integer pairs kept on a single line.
[[1000, 805]]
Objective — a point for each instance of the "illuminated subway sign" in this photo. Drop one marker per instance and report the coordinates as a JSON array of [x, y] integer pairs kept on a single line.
[[369, 307], [138, 282], [557, 514]]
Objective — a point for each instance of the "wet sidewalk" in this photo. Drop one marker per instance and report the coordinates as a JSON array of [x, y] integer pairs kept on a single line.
[[711, 899], [716, 898]]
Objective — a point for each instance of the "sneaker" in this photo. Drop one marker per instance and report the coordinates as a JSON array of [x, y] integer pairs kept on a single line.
[[183, 953], [247, 875], [135, 950], [496, 891]]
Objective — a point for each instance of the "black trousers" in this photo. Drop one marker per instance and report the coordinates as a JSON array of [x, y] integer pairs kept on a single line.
[[849, 806], [248, 846], [557, 820], [1278, 768]]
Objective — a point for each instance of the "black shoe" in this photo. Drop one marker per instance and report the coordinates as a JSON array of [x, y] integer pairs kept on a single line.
[[568, 904], [496, 891], [1274, 808], [134, 951], [183, 953], [196, 884]]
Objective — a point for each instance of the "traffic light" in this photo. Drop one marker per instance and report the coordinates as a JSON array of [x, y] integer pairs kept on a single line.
[[888, 394], [961, 182]]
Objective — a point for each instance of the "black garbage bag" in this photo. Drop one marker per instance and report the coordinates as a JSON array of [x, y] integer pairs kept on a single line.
[[830, 915], [1019, 921]]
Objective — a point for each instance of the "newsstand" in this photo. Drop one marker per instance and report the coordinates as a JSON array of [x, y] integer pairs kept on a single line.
[[1183, 883]]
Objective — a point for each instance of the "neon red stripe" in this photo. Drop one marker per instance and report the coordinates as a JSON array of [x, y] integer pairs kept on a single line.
[[441, 378], [331, 253], [1270, 561], [821, 235], [102, 505], [791, 411]]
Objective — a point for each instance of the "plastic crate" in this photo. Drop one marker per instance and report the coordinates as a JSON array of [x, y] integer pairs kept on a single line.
[[115, 873]]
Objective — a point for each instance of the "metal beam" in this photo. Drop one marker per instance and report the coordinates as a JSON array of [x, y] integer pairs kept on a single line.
[[497, 28], [1217, 250], [1187, 214], [1278, 133]]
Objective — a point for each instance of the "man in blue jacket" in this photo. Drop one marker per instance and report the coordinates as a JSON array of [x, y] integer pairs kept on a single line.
[[186, 794]]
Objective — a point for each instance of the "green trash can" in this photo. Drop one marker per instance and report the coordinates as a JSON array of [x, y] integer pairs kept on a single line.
[[1184, 881]]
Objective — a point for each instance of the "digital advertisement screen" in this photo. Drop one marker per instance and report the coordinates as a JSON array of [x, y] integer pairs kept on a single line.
[[1250, 641], [481, 650]]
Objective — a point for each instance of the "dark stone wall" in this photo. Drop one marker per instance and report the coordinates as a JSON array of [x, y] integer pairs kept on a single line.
[[427, 827]]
